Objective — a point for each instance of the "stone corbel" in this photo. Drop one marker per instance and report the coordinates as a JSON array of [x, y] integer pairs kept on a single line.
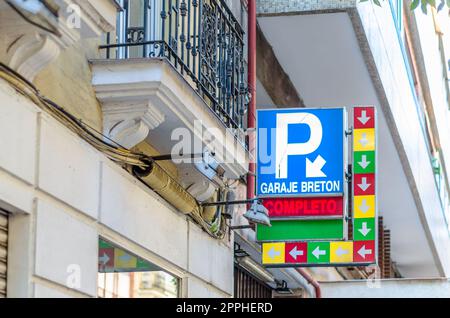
[[30, 49], [31, 53], [128, 123]]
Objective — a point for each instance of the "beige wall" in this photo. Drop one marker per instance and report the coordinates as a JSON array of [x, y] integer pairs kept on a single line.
[[67, 81]]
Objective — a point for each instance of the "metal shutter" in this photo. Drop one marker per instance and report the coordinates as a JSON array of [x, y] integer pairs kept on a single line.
[[247, 286], [3, 251]]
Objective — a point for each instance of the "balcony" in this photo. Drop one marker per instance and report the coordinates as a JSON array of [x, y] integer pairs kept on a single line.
[[201, 39], [173, 64]]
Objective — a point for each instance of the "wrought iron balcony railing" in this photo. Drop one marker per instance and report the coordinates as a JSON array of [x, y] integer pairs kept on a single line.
[[201, 39]]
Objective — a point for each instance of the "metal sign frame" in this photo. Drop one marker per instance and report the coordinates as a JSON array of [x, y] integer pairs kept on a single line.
[[347, 195], [375, 173]]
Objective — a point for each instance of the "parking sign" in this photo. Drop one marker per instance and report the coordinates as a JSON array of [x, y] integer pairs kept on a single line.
[[301, 152]]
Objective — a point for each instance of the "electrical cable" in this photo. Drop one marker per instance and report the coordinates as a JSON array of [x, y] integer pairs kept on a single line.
[[113, 150]]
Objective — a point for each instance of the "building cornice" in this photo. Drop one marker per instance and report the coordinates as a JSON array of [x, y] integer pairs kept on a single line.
[[30, 48]]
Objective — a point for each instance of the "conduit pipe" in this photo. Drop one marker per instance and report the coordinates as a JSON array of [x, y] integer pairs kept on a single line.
[[251, 114], [170, 190], [167, 187], [311, 281]]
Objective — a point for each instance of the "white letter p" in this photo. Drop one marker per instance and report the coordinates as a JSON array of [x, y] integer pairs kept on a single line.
[[285, 149]]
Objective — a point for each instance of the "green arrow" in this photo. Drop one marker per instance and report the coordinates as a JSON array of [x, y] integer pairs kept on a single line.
[[318, 252], [364, 162], [291, 230]]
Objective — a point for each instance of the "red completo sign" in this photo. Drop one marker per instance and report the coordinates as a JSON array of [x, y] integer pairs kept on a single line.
[[304, 207]]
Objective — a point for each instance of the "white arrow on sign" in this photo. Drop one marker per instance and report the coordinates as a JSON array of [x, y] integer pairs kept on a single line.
[[295, 253], [364, 207], [364, 163], [273, 253], [364, 185], [104, 259], [341, 252], [364, 118], [364, 141], [364, 252], [314, 169], [125, 258], [318, 252], [364, 230]]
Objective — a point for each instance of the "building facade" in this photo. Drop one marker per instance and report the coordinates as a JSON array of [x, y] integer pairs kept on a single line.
[[123, 122], [118, 120]]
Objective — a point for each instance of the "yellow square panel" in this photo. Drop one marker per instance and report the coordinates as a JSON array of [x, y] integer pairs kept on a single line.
[[273, 253], [124, 260], [364, 206], [364, 140], [341, 252]]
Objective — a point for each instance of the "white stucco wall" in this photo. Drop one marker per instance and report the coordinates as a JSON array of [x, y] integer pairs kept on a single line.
[[395, 288], [435, 75], [64, 195], [385, 48]]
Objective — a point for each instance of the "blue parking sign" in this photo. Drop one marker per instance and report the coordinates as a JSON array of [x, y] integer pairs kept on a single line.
[[301, 152]]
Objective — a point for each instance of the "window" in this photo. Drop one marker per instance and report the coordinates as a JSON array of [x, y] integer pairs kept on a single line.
[[122, 274]]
